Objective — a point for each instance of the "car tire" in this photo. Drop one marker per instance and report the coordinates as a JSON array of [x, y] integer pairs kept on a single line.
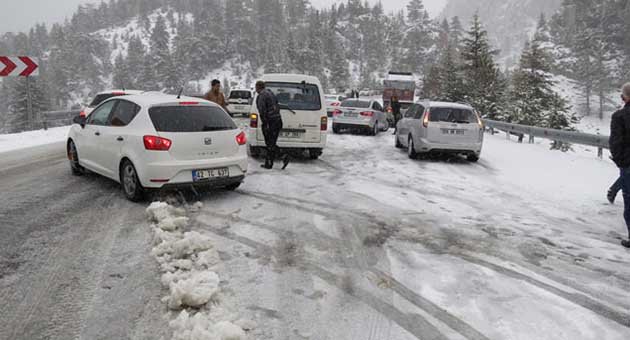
[[386, 128], [473, 157], [73, 157], [411, 149], [336, 129], [131, 186], [233, 186], [375, 130], [397, 143], [314, 153]]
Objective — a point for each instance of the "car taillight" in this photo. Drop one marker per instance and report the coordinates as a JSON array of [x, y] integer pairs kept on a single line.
[[253, 120], [337, 112], [479, 121], [241, 138], [118, 93], [389, 109], [367, 113], [425, 119], [324, 124], [157, 143], [82, 114], [188, 103]]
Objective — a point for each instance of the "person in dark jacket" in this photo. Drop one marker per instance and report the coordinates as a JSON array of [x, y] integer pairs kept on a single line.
[[620, 150], [269, 111], [396, 107]]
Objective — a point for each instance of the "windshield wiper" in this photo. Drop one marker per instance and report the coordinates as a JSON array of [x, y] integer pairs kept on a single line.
[[286, 107]]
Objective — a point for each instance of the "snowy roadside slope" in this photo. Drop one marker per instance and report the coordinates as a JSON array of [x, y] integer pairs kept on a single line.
[[23, 140], [366, 243]]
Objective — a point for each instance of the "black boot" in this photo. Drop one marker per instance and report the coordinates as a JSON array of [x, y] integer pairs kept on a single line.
[[611, 196], [268, 164], [285, 161], [626, 243]]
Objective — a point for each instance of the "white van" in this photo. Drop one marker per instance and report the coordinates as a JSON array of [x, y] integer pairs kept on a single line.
[[240, 102], [303, 111]]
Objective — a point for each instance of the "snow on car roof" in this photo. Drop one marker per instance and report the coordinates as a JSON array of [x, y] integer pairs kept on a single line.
[[291, 78], [152, 99], [449, 104], [121, 90]]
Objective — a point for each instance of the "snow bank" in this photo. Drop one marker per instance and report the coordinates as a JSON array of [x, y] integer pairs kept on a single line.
[[23, 140], [187, 260]]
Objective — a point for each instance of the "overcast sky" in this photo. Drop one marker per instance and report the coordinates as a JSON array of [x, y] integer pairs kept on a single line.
[[21, 15]]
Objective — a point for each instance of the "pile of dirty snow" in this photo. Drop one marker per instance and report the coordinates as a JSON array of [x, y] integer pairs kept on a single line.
[[187, 261]]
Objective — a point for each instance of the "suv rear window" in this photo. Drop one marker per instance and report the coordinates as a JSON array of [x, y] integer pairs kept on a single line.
[[190, 119], [240, 95], [361, 104], [452, 115], [103, 97], [297, 96]]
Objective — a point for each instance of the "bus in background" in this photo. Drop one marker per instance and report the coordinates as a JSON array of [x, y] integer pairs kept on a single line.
[[401, 84]]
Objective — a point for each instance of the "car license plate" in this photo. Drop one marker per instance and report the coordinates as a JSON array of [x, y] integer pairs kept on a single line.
[[239, 108], [291, 134], [452, 132], [351, 114], [200, 175]]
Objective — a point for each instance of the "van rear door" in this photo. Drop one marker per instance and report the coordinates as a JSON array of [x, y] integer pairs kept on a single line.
[[302, 121], [449, 125]]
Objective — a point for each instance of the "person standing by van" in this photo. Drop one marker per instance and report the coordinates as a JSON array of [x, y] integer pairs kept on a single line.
[[216, 96], [269, 111], [396, 107], [620, 150]]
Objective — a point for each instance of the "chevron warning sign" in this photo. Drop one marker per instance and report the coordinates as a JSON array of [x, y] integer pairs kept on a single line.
[[18, 66]]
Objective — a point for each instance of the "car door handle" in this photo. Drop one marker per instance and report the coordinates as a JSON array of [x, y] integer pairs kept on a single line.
[[97, 133], [120, 139]]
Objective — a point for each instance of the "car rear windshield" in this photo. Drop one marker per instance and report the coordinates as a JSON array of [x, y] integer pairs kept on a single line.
[[190, 119], [103, 97], [361, 104], [240, 95], [452, 115], [405, 106], [297, 96]]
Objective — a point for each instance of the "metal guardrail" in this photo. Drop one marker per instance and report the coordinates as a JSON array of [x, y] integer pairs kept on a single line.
[[574, 137], [44, 120]]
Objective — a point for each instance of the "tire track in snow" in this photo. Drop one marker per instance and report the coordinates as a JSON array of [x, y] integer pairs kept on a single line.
[[582, 300], [413, 323]]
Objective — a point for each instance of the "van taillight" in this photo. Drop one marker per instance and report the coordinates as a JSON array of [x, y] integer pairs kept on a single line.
[[253, 120], [156, 143], [241, 138], [425, 119], [324, 124]]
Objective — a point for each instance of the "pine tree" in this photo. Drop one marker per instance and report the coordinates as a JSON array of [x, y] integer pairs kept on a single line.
[[418, 38], [481, 76], [135, 61], [121, 78], [339, 68]]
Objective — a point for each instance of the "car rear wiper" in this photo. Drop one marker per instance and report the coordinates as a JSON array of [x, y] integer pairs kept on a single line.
[[286, 107]]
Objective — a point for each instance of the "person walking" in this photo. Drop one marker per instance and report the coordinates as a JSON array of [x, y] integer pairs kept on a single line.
[[216, 96], [620, 150], [269, 111], [396, 107], [613, 191]]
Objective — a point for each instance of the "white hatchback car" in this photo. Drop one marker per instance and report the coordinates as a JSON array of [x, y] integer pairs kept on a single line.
[[155, 141], [440, 127], [240, 101]]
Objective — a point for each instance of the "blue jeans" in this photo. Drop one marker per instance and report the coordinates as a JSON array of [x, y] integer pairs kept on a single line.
[[625, 189]]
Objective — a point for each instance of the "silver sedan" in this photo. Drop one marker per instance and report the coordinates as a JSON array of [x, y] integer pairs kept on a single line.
[[360, 115]]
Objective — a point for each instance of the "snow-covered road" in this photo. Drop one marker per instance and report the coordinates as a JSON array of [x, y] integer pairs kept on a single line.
[[361, 244]]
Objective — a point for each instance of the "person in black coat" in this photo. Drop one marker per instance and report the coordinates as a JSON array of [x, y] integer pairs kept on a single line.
[[396, 107], [620, 150], [269, 110]]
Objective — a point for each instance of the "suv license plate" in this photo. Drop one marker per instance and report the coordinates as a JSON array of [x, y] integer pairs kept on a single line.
[[200, 175]]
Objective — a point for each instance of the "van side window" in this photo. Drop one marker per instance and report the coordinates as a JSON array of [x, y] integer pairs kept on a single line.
[[410, 111], [419, 112]]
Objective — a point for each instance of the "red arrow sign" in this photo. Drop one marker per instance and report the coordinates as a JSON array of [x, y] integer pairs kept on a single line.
[[18, 66], [31, 66], [9, 66]]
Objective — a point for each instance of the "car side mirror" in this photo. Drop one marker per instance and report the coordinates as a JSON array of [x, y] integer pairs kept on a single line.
[[79, 120]]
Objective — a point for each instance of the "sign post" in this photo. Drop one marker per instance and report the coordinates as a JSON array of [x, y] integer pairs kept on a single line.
[[22, 67]]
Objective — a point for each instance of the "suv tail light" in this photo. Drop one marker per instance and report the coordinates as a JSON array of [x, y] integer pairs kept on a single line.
[[82, 114], [253, 120], [367, 113], [156, 143], [241, 138], [479, 121], [425, 119], [324, 124]]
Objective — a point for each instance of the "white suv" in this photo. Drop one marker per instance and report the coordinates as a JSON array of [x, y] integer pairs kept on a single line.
[[240, 101], [440, 127], [155, 141], [303, 111]]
